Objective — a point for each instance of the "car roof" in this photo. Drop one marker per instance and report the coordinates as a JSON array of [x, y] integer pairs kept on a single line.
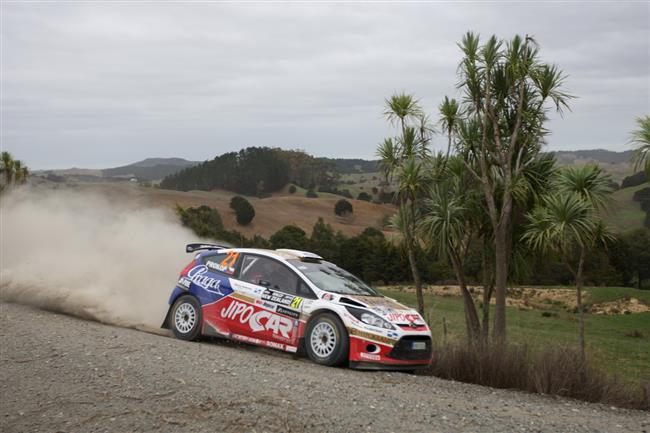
[[282, 254]]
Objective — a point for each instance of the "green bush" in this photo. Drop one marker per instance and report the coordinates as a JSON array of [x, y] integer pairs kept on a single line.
[[243, 209], [204, 220], [311, 193], [292, 189], [290, 236], [364, 196], [343, 207]]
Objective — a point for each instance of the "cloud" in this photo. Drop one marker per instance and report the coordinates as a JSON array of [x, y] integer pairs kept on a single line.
[[107, 83]]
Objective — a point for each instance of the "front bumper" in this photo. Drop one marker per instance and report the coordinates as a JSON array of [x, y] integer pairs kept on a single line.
[[408, 352]]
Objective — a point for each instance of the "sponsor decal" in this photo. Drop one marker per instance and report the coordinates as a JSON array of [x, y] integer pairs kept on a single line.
[[392, 334], [244, 287], [184, 282], [403, 317], [266, 343], [282, 298], [265, 304], [369, 356], [328, 297], [369, 336], [383, 304], [258, 321], [287, 312], [198, 276]]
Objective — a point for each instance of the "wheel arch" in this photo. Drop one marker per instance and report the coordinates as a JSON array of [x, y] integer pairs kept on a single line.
[[320, 311], [172, 301], [313, 315]]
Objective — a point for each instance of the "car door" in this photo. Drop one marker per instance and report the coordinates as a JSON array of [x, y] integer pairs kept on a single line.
[[212, 282], [267, 310]]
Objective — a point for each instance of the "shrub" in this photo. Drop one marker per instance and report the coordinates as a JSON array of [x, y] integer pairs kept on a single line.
[[236, 201], [345, 193], [290, 236], [343, 207], [634, 180], [204, 220], [553, 370], [292, 189], [311, 193], [364, 196], [243, 209]]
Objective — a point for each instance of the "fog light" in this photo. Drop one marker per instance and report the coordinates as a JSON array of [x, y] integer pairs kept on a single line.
[[371, 348]]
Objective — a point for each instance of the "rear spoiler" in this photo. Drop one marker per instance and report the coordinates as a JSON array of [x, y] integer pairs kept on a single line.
[[190, 248]]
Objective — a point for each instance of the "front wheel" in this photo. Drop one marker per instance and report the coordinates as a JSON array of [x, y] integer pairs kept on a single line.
[[326, 340], [186, 318]]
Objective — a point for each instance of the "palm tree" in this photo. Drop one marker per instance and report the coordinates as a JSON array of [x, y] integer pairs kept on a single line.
[[401, 108], [507, 94], [413, 180], [641, 138], [449, 115], [405, 157], [588, 181], [389, 157], [7, 167], [18, 171], [568, 223], [446, 226]]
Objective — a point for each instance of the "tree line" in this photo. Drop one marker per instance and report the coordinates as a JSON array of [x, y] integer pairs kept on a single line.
[[380, 260], [255, 171]]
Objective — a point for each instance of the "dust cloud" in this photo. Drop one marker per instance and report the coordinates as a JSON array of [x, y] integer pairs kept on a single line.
[[85, 255]]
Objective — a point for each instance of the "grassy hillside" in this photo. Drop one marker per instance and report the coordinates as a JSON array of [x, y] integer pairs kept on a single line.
[[611, 339], [149, 169], [625, 214], [271, 214]]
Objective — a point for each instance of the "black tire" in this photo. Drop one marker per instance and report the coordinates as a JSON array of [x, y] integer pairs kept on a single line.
[[187, 326], [319, 344]]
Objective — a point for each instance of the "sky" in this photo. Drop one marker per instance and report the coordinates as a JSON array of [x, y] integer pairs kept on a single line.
[[103, 84]]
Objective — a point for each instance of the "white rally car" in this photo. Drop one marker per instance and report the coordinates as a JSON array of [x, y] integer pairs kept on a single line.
[[288, 299]]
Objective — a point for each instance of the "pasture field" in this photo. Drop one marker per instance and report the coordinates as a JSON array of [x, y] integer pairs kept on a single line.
[[625, 214], [620, 343], [271, 213]]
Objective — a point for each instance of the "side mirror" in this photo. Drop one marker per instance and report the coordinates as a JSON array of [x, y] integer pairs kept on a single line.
[[264, 283]]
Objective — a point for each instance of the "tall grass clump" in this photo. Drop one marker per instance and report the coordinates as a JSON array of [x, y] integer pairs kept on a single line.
[[554, 370]]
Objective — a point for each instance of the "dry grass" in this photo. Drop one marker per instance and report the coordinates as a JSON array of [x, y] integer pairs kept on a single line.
[[271, 214], [554, 371]]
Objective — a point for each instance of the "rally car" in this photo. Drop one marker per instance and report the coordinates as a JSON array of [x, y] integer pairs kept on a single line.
[[290, 300]]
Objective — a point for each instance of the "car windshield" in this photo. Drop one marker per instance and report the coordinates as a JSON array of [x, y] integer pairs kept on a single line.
[[329, 277]]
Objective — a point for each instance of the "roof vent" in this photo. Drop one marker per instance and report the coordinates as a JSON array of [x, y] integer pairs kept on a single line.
[[301, 254]]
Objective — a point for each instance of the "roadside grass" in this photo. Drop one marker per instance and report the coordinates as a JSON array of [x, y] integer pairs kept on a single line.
[[620, 344]]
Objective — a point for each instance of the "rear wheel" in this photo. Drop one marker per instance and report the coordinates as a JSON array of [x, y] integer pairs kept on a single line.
[[326, 340], [186, 318]]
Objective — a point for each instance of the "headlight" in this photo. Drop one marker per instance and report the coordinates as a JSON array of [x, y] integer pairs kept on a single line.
[[370, 318]]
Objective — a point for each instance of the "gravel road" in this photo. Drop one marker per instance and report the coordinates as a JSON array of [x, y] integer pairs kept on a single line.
[[63, 374]]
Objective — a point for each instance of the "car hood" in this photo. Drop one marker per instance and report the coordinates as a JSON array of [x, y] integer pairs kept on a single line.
[[387, 308]]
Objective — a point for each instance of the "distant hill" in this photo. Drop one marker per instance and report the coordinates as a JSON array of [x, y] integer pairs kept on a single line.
[[352, 165], [596, 155], [150, 168], [616, 164], [152, 162]]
